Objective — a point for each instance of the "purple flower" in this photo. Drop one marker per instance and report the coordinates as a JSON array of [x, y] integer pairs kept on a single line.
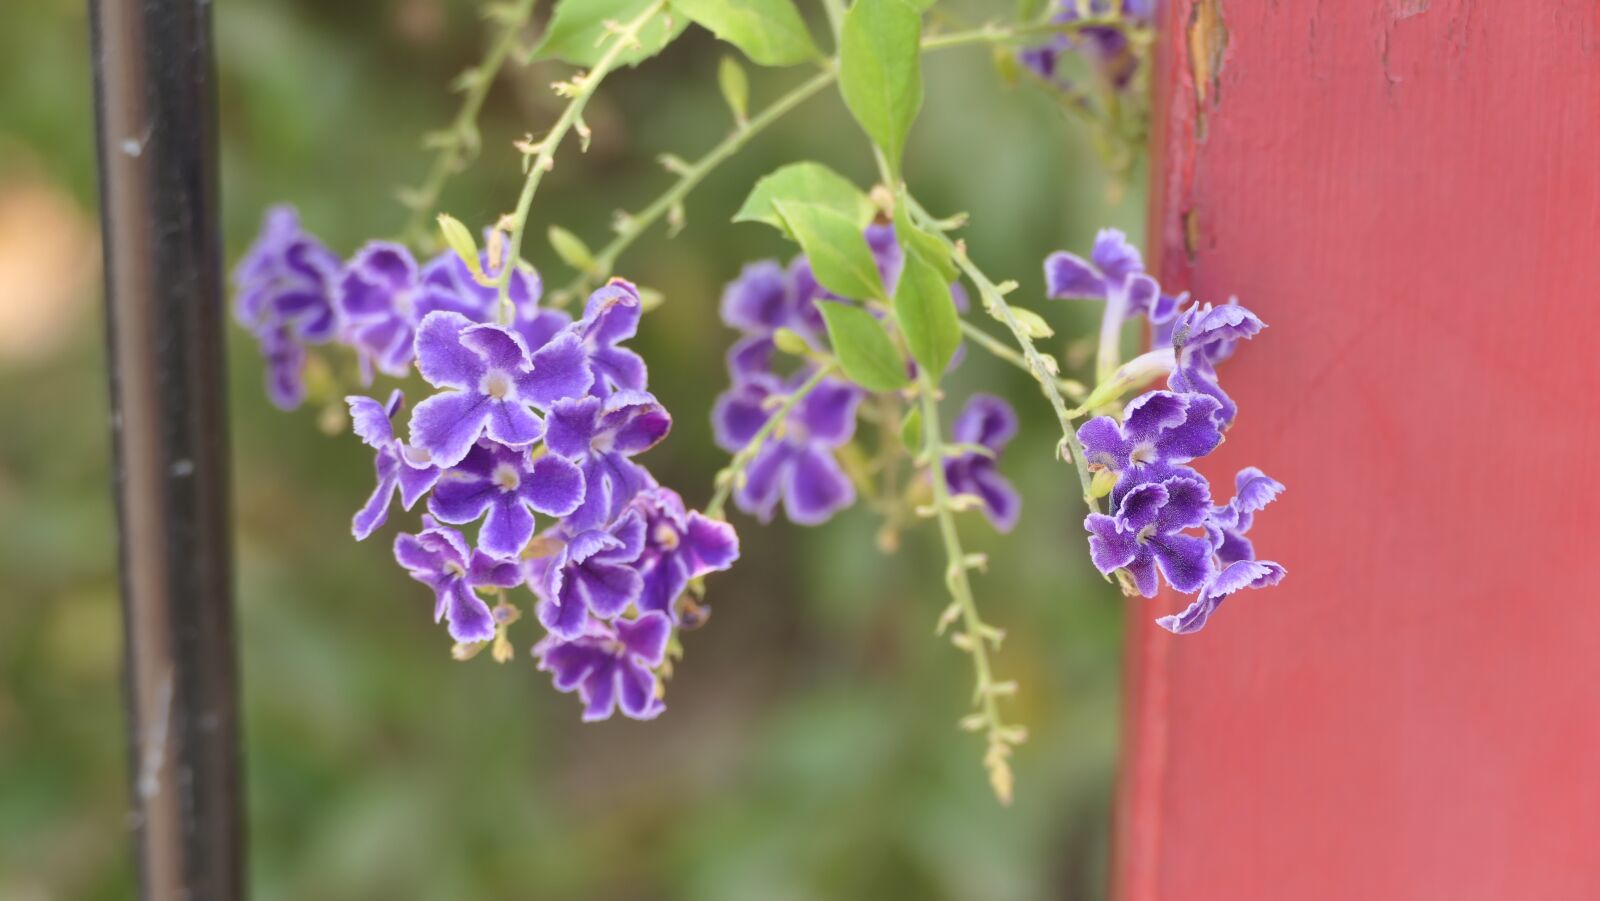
[[439, 558], [767, 297], [986, 422], [601, 437], [1204, 336], [491, 385], [1106, 48], [610, 665], [1147, 532], [1159, 430], [796, 463], [1228, 524], [610, 317], [1234, 577], [396, 466], [286, 281], [503, 483], [286, 363], [679, 546], [595, 572], [1115, 274], [285, 286], [383, 298]]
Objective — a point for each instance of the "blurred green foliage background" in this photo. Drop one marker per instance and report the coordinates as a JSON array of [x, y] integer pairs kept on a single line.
[[810, 747]]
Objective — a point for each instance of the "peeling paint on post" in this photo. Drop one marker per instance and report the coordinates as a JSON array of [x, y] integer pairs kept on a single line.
[[156, 119]]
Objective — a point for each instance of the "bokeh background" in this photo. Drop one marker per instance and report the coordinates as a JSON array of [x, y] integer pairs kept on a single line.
[[810, 747]]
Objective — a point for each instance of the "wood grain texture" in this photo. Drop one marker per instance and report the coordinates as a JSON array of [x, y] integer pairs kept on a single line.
[[1409, 193]]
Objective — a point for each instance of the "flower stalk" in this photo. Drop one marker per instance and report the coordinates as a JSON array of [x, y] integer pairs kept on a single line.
[[579, 89]]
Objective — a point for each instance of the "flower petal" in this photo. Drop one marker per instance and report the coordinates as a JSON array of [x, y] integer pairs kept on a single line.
[[446, 425], [554, 486], [442, 358], [817, 488]]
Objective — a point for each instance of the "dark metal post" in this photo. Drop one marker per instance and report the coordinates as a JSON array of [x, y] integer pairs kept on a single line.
[[156, 115]]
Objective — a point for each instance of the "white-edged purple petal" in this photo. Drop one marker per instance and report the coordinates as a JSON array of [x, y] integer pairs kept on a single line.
[[816, 487], [554, 486], [446, 362], [446, 425]]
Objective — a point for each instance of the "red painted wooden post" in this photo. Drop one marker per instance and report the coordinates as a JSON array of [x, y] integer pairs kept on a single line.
[[1409, 193]]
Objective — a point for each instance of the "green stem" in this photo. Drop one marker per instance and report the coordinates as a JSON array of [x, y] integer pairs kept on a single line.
[[583, 87], [1071, 387], [730, 473], [1043, 372], [977, 634], [460, 140], [635, 225]]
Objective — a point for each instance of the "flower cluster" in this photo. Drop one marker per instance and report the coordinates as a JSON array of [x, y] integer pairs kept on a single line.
[[798, 464], [1163, 522], [532, 415], [1105, 47]]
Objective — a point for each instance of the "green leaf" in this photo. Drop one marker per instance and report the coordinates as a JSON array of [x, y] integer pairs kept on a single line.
[[805, 183], [578, 35], [735, 88], [927, 315], [770, 32], [931, 249], [835, 247], [880, 71], [459, 239], [864, 350], [571, 249]]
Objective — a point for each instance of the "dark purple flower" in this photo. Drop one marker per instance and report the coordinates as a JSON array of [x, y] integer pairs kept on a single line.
[[1147, 532], [679, 545], [796, 463], [767, 297], [1228, 524], [600, 437], [503, 483], [1159, 430], [610, 665], [492, 385], [439, 558], [383, 298], [1115, 274], [610, 317], [286, 364], [986, 422], [595, 572], [1106, 48], [286, 281], [285, 287], [397, 467], [1202, 337], [1236, 576]]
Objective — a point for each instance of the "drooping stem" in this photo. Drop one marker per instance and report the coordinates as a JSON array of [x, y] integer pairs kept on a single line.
[[1042, 370], [635, 225], [1070, 387], [976, 634], [459, 142], [579, 89], [730, 473]]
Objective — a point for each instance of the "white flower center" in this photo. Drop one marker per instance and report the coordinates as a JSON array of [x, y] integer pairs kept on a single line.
[[497, 383], [1142, 453], [666, 537], [507, 477]]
